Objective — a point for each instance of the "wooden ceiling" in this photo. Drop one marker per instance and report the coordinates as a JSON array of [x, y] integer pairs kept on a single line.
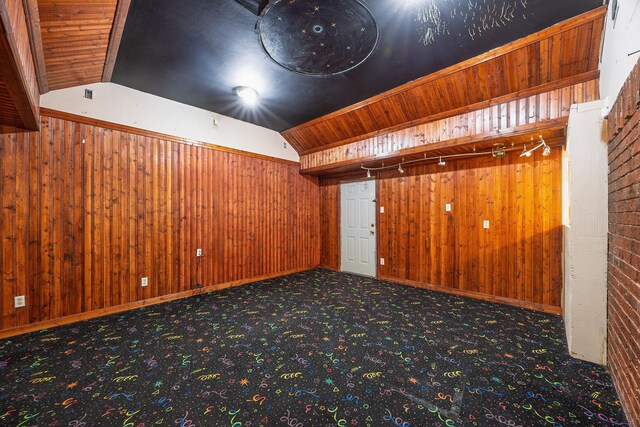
[[567, 50], [79, 40], [75, 38]]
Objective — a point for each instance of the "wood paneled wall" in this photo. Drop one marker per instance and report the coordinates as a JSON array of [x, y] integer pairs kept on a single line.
[[19, 93], [87, 211], [565, 50], [503, 118], [518, 258]]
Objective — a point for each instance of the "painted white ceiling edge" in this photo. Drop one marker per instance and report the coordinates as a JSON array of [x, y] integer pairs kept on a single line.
[[621, 48], [130, 107]]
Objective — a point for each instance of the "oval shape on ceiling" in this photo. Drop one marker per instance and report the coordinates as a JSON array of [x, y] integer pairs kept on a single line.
[[318, 37]]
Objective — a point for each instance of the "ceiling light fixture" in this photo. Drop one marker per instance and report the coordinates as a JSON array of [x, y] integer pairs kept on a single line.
[[248, 95]]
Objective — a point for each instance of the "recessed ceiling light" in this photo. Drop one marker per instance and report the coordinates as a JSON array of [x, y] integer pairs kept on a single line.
[[248, 95]]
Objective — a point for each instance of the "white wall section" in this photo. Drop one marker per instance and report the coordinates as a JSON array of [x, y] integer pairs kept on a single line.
[[585, 244], [621, 40], [129, 107]]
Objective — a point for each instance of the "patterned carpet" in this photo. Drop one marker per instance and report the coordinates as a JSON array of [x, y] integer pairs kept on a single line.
[[316, 348]]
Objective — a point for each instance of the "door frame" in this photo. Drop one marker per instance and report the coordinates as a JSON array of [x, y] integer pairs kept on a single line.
[[377, 212]]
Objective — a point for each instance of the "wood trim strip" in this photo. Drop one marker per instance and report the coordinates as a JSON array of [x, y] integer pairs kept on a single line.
[[476, 295], [547, 87], [138, 304], [498, 136], [502, 50], [35, 38], [115, 38], [143, 132]]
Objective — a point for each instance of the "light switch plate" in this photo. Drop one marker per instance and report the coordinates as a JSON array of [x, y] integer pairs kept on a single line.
[[381, 261], [485, 223], [447, 207], [145, 281], [381, 209]]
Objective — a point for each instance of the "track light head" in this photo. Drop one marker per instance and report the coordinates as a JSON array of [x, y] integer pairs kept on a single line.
[[400, 168], [546, 151], [368, 173], [441, 162]]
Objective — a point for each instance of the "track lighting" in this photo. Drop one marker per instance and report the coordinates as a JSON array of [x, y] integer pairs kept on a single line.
[[498, 151], [546, 150]]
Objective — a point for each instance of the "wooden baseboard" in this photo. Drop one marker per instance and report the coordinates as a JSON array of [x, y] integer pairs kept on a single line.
[[46, 324], [328, 267], [477, 295]]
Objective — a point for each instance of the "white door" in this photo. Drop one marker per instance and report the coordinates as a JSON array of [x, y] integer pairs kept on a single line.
[[358, 227]]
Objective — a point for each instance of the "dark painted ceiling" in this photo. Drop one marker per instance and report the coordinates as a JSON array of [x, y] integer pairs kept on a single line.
[[197, 51]]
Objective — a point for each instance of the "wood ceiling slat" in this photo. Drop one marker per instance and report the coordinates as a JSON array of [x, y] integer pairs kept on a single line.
[[75, 38], [566, 50]]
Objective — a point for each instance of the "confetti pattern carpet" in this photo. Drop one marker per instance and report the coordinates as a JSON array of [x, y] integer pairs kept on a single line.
[[317, 348]]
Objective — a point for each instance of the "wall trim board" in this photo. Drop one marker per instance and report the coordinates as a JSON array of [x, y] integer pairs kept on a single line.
[[547, 87], [56, 114], [554, 29], [476, 295], [46, 324]]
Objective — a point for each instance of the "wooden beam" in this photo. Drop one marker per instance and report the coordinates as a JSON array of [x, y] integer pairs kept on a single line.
[[13, 75], [115, 38], [35, 38]]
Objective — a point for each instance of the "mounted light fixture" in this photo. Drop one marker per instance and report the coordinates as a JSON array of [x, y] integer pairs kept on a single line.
[[400, 168], [441, 162], [368, 173], [546, 150], [248, 95], [498, 151]]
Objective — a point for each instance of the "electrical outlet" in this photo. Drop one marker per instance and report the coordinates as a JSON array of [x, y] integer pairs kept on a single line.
[[381, 261], [447, 207], [198, 252], [485, 223], [19, 301], [145, 281]]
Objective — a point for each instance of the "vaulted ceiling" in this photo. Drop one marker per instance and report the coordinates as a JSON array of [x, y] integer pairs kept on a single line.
[[197, 52], [418, 57]]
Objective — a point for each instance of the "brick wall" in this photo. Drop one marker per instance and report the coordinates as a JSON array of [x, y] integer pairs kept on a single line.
[[624, 245]]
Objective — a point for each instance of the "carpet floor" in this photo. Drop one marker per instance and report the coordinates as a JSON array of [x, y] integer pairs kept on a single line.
[[317, 348]]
